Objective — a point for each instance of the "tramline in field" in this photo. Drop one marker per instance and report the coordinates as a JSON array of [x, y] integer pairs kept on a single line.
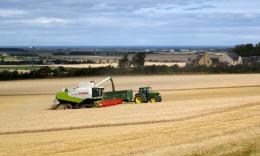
[[88, 95]]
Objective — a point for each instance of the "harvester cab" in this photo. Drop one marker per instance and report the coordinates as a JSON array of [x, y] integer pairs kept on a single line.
[[146, 94]]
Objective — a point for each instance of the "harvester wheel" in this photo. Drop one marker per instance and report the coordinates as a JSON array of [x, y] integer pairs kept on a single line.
[[76, 106], [84, 106], [59, 107], [153, 100], [139, 99], [68, 106], [64, 106]]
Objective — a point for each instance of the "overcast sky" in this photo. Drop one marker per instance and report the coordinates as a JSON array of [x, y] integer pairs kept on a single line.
[[129, 22]]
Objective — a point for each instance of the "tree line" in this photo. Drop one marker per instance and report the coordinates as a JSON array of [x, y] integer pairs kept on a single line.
[[128, 66], [247, 50], [137, 61], [47, 72]]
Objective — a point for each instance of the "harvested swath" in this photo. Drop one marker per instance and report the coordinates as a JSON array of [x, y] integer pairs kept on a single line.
[[30, 111], [165, 82], [209, 113], [200, 136]]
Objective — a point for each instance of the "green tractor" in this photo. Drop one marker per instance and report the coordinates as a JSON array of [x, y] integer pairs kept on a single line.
[[145, 95]]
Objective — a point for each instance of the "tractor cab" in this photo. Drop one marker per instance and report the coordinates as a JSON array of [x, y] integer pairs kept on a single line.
[[145, 90]]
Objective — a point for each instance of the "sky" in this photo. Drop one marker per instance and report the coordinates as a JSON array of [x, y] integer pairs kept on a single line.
[[128, 22]]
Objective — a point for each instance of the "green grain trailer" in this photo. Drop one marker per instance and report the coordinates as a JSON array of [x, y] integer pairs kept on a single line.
[[126, 95]]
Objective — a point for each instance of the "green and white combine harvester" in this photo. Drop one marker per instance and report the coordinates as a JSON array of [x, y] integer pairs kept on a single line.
[[88, 95]]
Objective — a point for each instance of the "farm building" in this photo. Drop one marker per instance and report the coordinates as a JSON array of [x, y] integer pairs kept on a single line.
[[230, 58], [203, 59], [211, 59], [171, 57], [251, 59]]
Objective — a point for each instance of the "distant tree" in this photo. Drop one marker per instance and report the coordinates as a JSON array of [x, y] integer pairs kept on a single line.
[[15, 74], [257, 49], [59, 53], [44, 71], [247, 50], [61, 68], [138, 60], [124, 62]]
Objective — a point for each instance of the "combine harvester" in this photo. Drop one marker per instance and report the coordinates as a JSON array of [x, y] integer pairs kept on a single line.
[[88, 95]]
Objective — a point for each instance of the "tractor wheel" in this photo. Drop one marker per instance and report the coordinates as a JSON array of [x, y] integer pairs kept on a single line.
[[159, 99], [139, 99], [64, 106], [153, 100]]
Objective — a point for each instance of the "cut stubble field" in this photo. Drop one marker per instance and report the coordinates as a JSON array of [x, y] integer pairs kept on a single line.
[[199, 115]]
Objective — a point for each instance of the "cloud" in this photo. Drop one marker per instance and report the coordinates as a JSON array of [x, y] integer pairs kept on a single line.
[[200, 7], [11, 12], [116, 22], [150, 21], [160, 10], [44, 21]]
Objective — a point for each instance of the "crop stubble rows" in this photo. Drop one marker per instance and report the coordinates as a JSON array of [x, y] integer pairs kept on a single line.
[[183, 102]]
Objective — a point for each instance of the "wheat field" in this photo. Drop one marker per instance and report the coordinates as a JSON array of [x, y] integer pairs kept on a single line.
[[96, 65], [199, 115]]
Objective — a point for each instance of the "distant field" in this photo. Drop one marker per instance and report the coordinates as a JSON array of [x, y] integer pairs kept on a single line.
[[18, 67], [199, 115], [29, 67], [116, 64]]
